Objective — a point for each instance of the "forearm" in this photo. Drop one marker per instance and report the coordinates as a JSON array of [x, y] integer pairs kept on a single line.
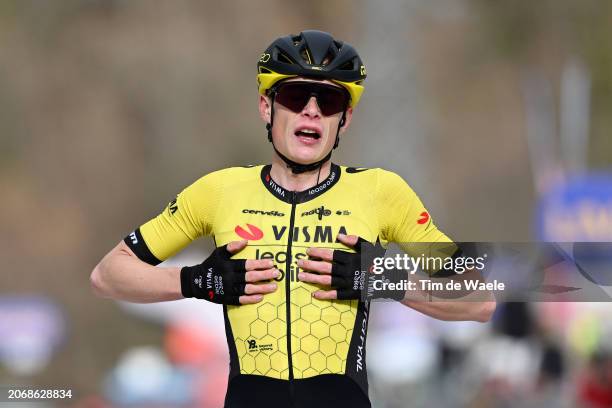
[[122, 276], [454, 310], [477, 305]]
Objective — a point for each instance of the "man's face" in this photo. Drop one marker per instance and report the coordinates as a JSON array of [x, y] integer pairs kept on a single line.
[[306, 136]]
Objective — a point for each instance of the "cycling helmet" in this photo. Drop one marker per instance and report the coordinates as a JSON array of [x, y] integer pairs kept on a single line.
[[312, 54]]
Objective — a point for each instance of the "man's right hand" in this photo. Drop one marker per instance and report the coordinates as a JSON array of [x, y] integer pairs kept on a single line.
[[220, 279]]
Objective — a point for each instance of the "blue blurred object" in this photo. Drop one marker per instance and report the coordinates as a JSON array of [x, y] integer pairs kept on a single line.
[[577, 210], [580, 211], [31, 329]]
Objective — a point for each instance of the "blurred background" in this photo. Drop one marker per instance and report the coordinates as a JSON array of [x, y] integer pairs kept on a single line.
[[497, 114]]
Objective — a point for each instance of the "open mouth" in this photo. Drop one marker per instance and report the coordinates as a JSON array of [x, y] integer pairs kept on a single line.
[[308, 133]]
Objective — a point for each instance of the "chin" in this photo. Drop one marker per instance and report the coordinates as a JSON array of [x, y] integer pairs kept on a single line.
[[305, 156]]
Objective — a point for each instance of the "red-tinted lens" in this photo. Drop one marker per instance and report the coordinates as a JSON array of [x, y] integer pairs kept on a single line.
[[332, 100], [295, 95]]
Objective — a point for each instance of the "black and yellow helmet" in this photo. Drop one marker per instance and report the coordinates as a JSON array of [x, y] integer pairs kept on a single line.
[[312, 54]]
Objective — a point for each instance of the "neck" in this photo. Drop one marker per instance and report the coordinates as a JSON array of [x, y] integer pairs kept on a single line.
[[284, 177]]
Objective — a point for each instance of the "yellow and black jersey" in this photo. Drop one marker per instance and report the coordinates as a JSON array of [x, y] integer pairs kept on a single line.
[[291, 343]]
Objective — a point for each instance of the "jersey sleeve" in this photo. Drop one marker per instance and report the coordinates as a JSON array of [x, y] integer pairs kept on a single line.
[[402, 216], [189, 216]]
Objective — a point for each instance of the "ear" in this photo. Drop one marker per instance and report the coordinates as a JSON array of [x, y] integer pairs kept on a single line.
[[264, 108], [347, 120]]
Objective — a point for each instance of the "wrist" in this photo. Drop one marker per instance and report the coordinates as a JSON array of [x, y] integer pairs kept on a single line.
[[186, 282], [391, 284]]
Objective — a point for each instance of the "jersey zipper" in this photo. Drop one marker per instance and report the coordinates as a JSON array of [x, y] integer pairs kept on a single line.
[[288, 298]]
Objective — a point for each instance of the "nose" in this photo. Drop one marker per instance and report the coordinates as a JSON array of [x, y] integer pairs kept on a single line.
[[312, 108]]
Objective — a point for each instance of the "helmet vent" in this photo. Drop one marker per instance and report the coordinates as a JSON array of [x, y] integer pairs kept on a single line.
[[305, 55], [282, 57], [347, 66], [328, 57]]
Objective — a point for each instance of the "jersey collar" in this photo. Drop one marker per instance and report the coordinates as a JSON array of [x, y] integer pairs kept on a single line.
[[299, 196]]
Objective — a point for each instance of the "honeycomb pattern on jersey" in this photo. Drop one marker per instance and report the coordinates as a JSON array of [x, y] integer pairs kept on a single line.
[[321, 334]]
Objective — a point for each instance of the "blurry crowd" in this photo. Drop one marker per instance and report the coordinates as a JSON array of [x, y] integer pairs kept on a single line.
[[531, 355]]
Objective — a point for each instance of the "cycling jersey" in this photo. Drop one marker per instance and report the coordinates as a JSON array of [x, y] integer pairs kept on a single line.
[[291, 345]]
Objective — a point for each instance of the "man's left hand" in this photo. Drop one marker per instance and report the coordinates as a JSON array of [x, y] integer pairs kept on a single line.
[[344, 272]]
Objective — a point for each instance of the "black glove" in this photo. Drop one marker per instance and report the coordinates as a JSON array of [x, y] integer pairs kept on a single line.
[[218, 279], [351, 272]]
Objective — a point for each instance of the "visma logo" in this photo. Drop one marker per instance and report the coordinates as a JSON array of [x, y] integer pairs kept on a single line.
[[253, 233], [321, 233], [424, 218]]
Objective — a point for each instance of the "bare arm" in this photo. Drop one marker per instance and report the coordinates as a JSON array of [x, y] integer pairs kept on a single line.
[[454, 311], [121, 275], [478, 306]]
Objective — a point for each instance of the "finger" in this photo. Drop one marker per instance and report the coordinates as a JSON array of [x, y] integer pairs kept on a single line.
[[254, 264], [350, 240], [313, 278], [236, 246], [316, 266], [250, 299], [325, 294], [251, 289], [321, 253], [256, 276], [344, 294]]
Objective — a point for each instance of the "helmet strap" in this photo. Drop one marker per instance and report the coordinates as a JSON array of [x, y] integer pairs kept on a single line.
[[340, 124], [298, 168]]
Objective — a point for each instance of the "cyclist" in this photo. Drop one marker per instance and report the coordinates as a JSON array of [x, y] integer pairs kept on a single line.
[[288, 239]]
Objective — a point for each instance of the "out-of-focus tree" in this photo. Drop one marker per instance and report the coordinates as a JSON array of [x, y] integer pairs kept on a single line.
[[549, 32]]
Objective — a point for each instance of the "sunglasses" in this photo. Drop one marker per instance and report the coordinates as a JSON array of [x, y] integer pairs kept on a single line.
[[295, 95]]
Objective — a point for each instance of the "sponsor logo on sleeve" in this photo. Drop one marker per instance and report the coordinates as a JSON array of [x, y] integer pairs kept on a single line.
[[424, 218], [172, 207]]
